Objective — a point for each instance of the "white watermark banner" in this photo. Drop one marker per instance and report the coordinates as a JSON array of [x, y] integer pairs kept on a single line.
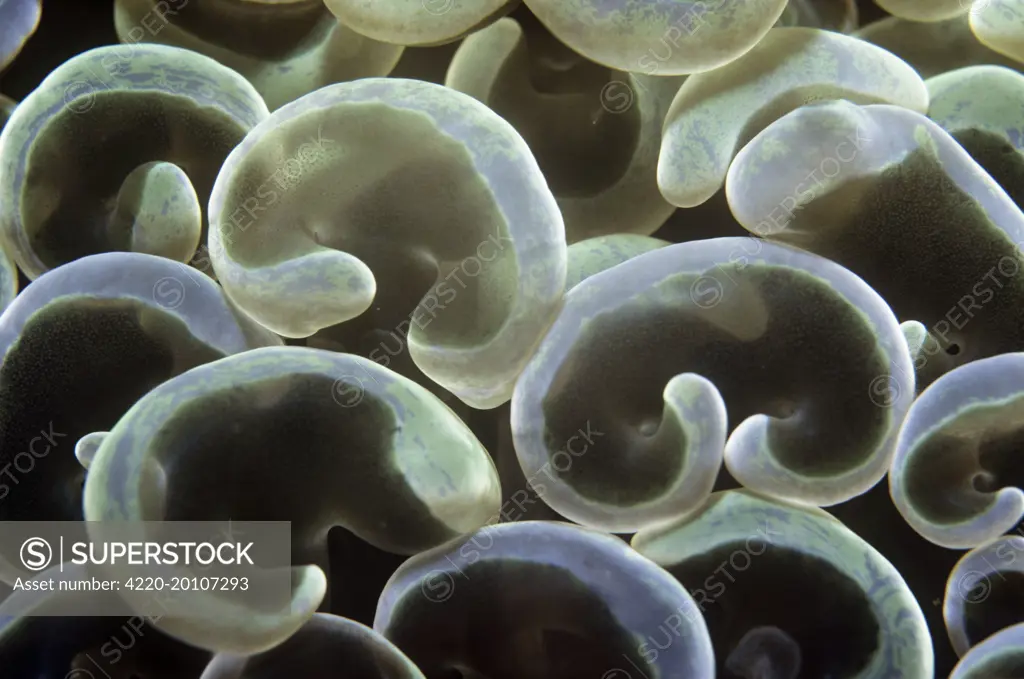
[[102, 568]]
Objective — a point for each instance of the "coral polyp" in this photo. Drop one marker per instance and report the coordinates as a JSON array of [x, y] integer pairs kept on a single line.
[[494, 339]]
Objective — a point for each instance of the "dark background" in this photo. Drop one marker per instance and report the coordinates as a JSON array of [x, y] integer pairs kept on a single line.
[[69, 27]]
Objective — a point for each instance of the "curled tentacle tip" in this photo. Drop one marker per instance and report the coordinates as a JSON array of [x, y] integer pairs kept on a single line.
[[158, 212], [161, 110], [714, 114], [956, 477], [596, 131], [86, 447], [688, 316], [453, 221], [103, 330], [822, 178], [413, 476]]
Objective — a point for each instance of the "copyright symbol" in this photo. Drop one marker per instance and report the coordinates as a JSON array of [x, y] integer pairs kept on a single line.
[[347, 391], [307, 153], [974, 590], [79, 96], [438, 7], [616, 674], [883, 391], [616, 97], [706, 292], [79, 674], [169, 292], [36, 554], [438, 586]]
